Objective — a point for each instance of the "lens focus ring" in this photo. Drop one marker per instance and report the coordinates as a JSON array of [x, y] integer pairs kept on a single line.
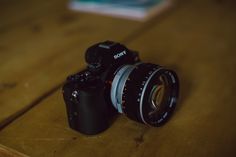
[[132, 94]]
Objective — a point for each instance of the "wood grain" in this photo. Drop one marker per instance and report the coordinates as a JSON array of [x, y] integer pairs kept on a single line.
[[198, 41], [8, 152]]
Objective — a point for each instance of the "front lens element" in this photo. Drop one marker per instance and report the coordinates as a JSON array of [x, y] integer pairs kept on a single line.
[[157, 96]]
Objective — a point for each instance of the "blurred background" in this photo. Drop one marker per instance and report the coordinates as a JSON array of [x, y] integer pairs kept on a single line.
[[42, 42]]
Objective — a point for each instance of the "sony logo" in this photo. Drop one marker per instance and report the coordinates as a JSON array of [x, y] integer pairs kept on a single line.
[[120, 54]]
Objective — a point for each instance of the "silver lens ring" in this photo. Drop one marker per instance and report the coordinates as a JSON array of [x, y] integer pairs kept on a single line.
[[142, 96], [118, 84]]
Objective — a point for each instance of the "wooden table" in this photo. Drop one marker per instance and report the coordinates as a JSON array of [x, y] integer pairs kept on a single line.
[[41, 42]]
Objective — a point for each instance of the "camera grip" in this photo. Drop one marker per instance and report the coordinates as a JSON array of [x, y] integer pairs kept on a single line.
[[87, 110]]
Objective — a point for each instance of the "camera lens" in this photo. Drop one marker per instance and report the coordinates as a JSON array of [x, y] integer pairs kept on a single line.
[[145, 92]]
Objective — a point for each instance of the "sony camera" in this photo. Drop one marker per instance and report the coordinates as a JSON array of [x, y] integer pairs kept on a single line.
[[116, 81]]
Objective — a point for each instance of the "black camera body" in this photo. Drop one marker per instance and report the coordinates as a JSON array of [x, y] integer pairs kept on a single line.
[[88, 110], [116, 81]]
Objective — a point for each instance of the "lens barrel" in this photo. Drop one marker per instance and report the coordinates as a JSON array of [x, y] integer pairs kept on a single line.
[[145, 92]]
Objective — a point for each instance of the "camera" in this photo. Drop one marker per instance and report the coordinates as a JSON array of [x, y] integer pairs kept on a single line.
[[116, 81]]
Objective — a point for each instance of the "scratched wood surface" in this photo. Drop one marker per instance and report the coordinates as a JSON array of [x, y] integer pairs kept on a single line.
[[8, 152], [197, 39], [42, 43]]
